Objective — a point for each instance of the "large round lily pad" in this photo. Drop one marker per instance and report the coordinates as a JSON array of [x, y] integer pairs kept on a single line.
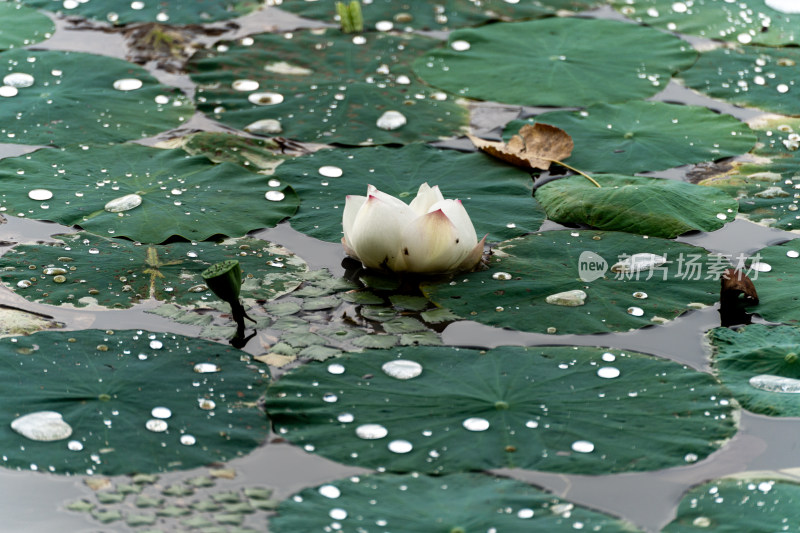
[[556, 62], [69, 98], [498, 197], [645, 136], [765, 183], [22, 26], [458, 502], [443, 15], [777, 279], [133, 400], [757, 502], [752, 76], [513, 292], [325, 86], [648, 206], [760, 365], [770, 22], [564, 409], [127, 12], [142, 193], [82, 270]]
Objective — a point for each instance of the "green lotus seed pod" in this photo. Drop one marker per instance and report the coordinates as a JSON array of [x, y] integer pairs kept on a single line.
[[224, 279]]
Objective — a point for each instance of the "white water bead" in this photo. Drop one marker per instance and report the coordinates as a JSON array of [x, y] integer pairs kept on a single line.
[[265, 98], [772, 383], [274, 196], [402, 369], [244, 85], [789, 7], [371, 431], [128, 84], [475, 424], [583, 446], [123, 203], [460, 45], [7, 91], [40, 195], [573, 298], [391, 120], [42, 426], [330, 171], [18, 80]]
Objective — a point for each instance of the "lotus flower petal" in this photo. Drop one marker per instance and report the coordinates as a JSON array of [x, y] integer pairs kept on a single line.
[[376, 230], [431, 235], [426, 197]]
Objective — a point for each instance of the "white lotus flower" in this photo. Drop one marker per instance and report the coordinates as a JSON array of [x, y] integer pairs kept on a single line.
[[431, 235]]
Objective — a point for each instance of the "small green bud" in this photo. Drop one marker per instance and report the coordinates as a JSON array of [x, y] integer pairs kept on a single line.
[[790, 358], [224, 279]]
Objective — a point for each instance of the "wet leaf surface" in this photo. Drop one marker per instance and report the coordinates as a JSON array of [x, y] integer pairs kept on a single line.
[[142, 193], [764, 181], [770, 22], [760, 365], [447, 14], [647, 206], [563, 409], [540, 59], [753, 76], [774, 271], [22, 26], [446, 503], [126, 12], [85, 270], [751, 501], [325, 86], [134, 401], [645, 136], [513, 292], [73, 100]]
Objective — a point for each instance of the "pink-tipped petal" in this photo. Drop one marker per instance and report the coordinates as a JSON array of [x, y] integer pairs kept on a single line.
[[430, 244]]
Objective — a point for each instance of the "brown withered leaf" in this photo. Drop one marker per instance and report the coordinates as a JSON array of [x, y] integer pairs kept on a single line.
[[735, 284], [535, 146]]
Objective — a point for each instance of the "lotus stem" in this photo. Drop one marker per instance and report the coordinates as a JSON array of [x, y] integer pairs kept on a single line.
[[584, 174]]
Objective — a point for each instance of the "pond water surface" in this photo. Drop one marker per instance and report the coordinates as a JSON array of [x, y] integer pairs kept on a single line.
[[34, 502]]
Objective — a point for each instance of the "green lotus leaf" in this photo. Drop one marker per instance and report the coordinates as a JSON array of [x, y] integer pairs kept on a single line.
[[82, 270], [22, 26], [177, 13], [513, 292], [774, 271], [447, 14], [129, 401], [757, 502], [645, 136], [746, 21], [325, 86], [458, 502], [142, 193], [648, 206], [497, 196], [760, 365], [764, 184], [254, 154], [73, 100], [556, 62], [752, 76], [562, 409]]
